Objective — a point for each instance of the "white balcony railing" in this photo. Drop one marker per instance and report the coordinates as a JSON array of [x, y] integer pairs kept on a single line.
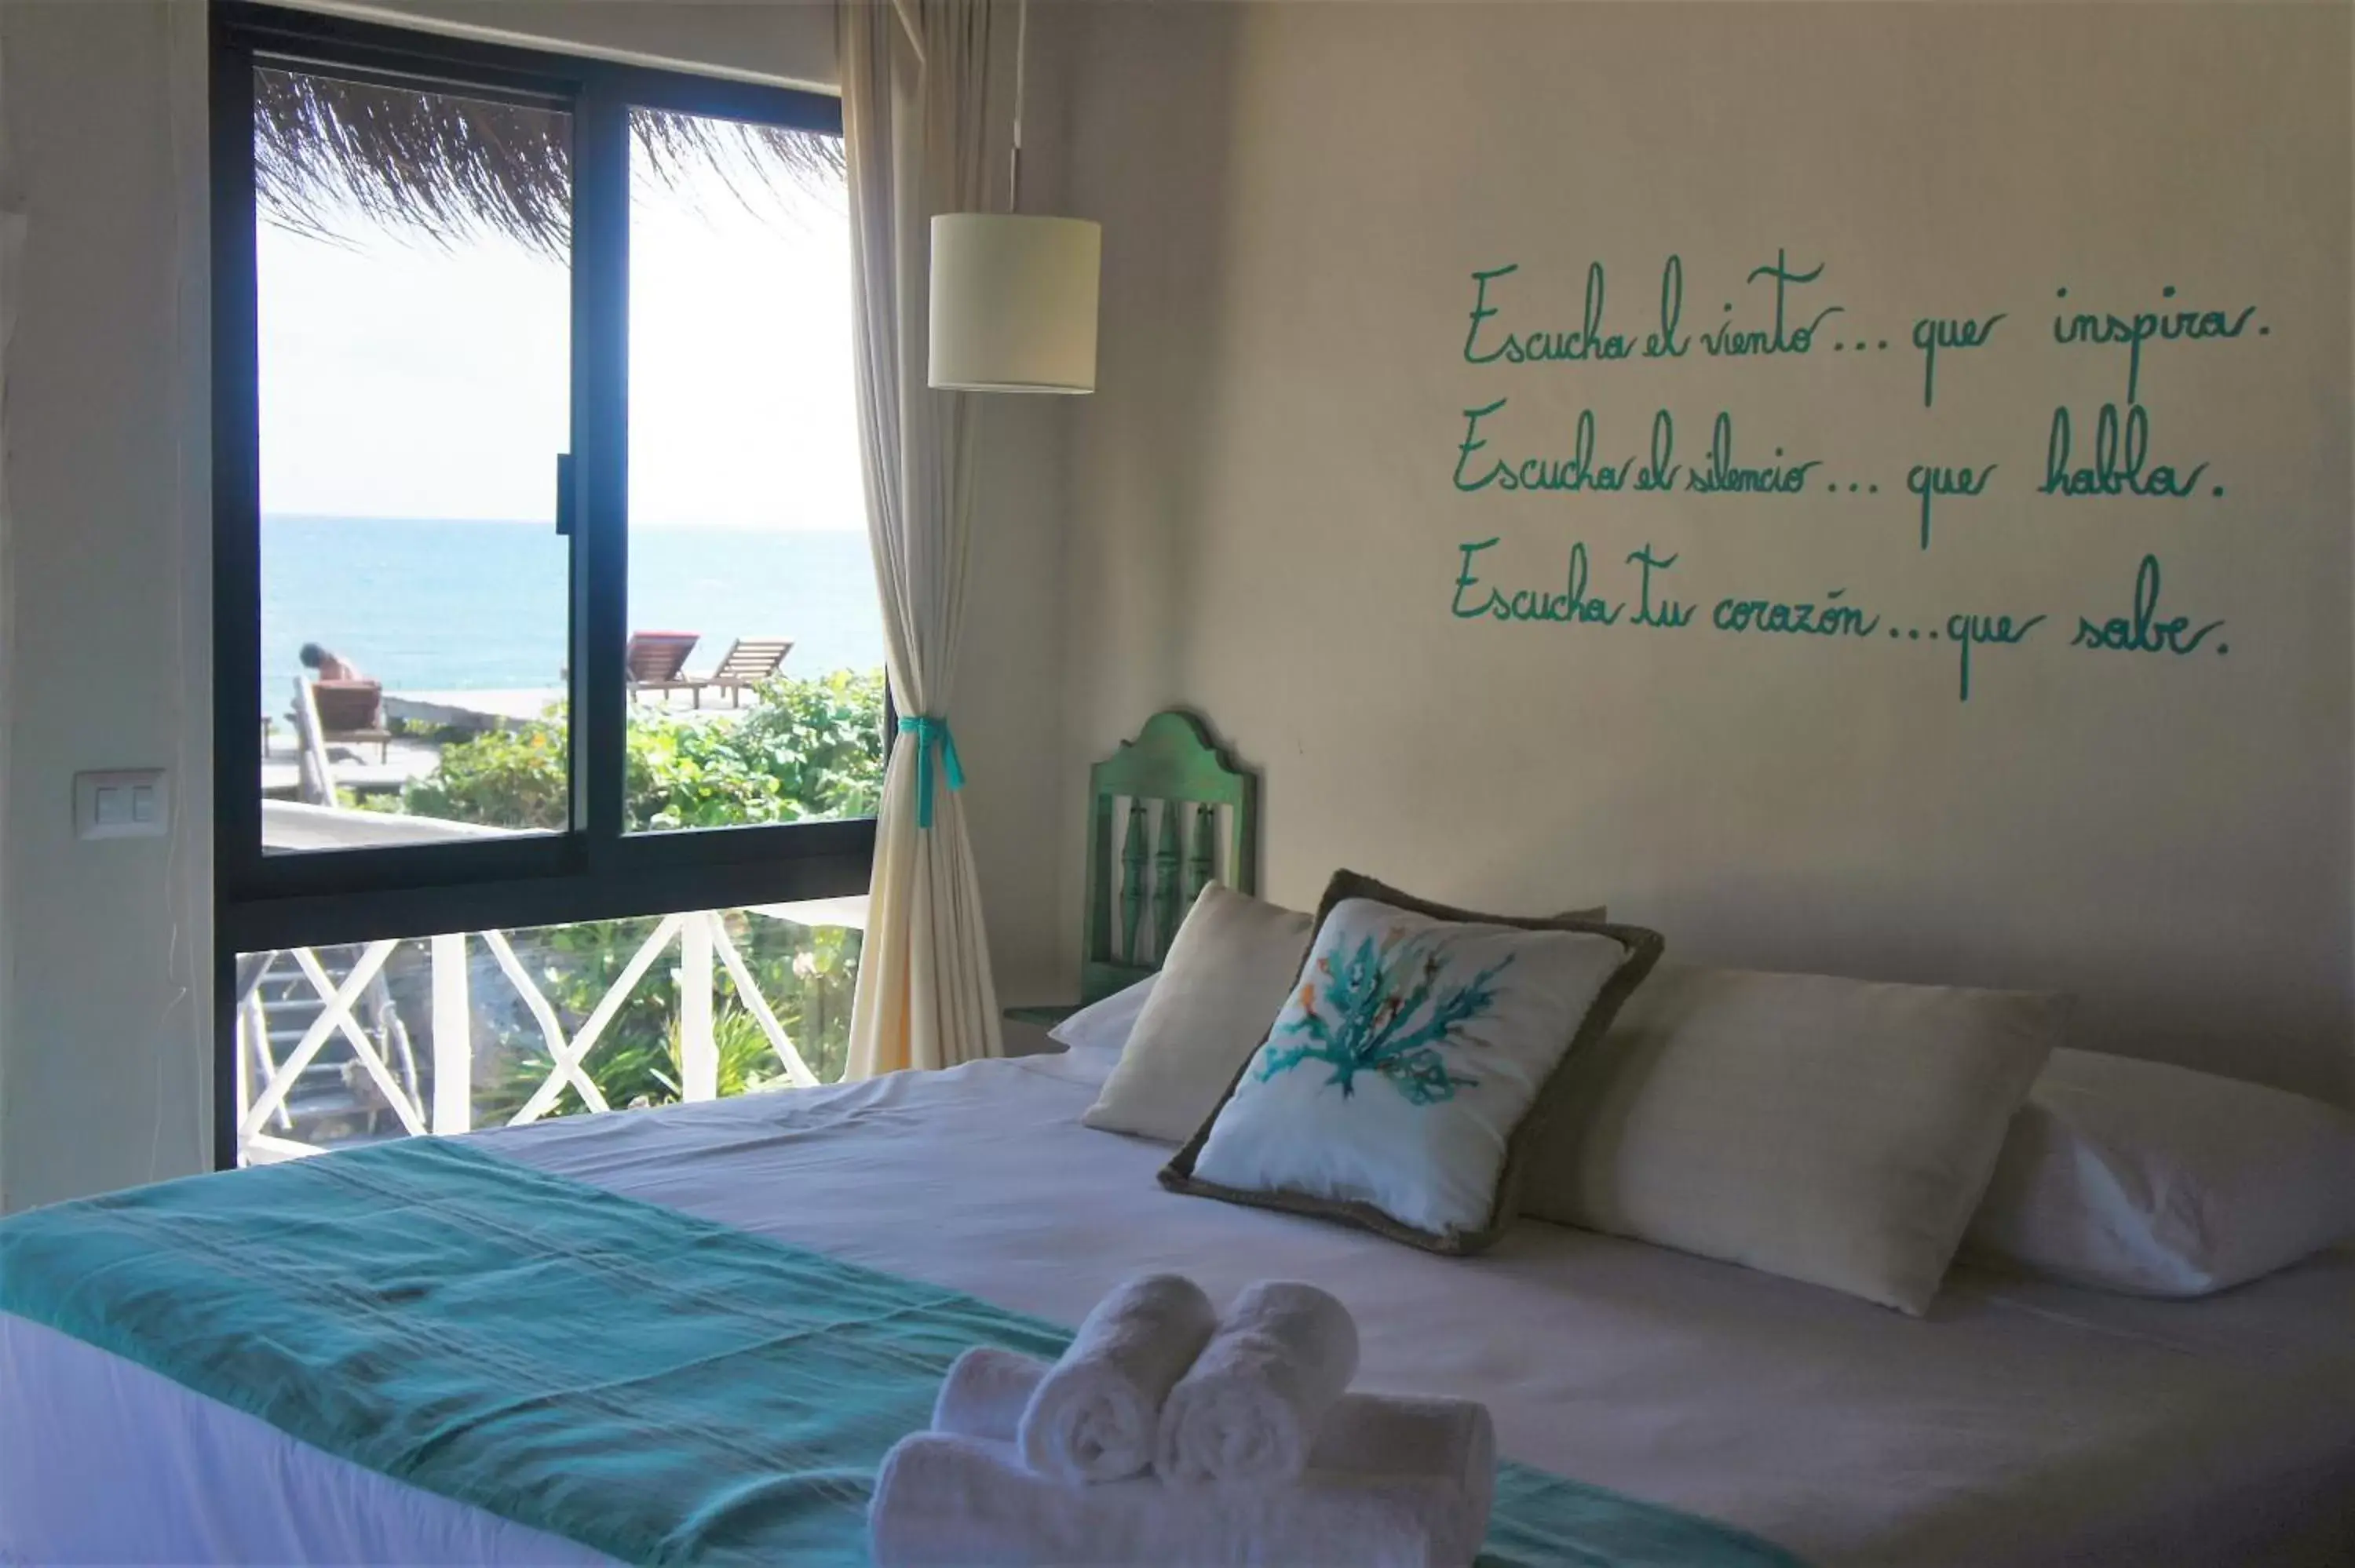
[[356, 1036], [349, 1030]]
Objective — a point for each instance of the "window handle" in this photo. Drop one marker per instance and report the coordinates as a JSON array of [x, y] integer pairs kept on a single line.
[[564, 502]]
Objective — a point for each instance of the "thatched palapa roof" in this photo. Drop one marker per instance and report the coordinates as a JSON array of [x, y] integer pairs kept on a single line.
[[457, 167]]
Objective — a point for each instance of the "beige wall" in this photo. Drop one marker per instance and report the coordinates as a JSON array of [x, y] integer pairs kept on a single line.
[[1264, 522], [11, 236], [104, 948], [104, 113]]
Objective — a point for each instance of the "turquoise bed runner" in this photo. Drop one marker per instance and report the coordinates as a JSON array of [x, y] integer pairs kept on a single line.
[[656, 1386]]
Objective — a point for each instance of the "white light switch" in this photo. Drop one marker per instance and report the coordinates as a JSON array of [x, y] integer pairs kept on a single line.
[[128, 804]]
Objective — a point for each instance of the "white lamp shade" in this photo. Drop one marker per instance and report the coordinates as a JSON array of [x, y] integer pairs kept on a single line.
[[1014, 302]]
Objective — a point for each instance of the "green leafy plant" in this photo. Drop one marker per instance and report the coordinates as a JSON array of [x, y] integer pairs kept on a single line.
[[805, 973], [506, 778], [642, 1068], [822, 740], [805, 748]]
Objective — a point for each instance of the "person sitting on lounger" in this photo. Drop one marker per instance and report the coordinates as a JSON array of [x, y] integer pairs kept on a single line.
[[327, 666]]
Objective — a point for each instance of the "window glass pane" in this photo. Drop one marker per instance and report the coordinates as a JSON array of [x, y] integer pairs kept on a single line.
[[484, 1029], [756, 659], [414, 291]]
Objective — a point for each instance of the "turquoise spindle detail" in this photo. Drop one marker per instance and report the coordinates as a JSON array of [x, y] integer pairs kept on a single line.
[[1203, 867], [1131, 880], [1166, 859]]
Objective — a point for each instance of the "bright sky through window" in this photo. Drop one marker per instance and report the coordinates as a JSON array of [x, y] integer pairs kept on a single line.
[[393, 384]]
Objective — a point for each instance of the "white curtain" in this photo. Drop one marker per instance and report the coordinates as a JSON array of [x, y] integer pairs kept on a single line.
[[915, 127]]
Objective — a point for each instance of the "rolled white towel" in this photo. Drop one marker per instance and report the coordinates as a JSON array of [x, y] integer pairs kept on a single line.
[[985, 1393], [1095, 1415], [1390, 1435], [1397, 1483], [1249, 1411]]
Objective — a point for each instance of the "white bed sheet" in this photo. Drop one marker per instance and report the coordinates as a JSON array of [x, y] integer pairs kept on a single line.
[[2019, 1423], [103, 1461]]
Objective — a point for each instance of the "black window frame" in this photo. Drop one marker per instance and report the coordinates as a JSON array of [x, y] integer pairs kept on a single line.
[[595, 870]]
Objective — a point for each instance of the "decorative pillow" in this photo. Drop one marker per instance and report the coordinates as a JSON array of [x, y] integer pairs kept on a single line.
[[2157, 1181], [1104, 1025], [1399, 1085], [1226, 974], [1832, 1130]]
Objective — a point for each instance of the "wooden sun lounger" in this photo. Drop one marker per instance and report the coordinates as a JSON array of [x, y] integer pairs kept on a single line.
[[748, 661], [655, 660], [342, 712], [316, 780]]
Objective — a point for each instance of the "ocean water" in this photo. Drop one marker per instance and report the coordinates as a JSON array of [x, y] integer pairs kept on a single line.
[[457, 606]]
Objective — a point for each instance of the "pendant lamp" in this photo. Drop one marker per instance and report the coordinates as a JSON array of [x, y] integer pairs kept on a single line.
[[1014, 296]]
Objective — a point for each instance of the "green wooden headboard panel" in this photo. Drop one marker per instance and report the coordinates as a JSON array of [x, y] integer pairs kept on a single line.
[[1168, 812]]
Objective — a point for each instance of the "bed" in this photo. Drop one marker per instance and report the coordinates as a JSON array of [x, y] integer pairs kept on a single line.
[[2020, 1423]]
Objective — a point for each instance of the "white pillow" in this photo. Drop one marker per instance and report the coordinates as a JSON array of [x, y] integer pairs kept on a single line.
[[2157, 1181], [1104, 1026], [1830, 1131], [1410, 1050], [1227, 973]]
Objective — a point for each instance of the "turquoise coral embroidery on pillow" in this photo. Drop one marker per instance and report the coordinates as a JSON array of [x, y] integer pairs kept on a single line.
[[1437, 1035], [1376, 1013]]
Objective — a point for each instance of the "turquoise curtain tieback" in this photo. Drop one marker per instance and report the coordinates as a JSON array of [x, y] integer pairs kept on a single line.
[[930, 731]]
